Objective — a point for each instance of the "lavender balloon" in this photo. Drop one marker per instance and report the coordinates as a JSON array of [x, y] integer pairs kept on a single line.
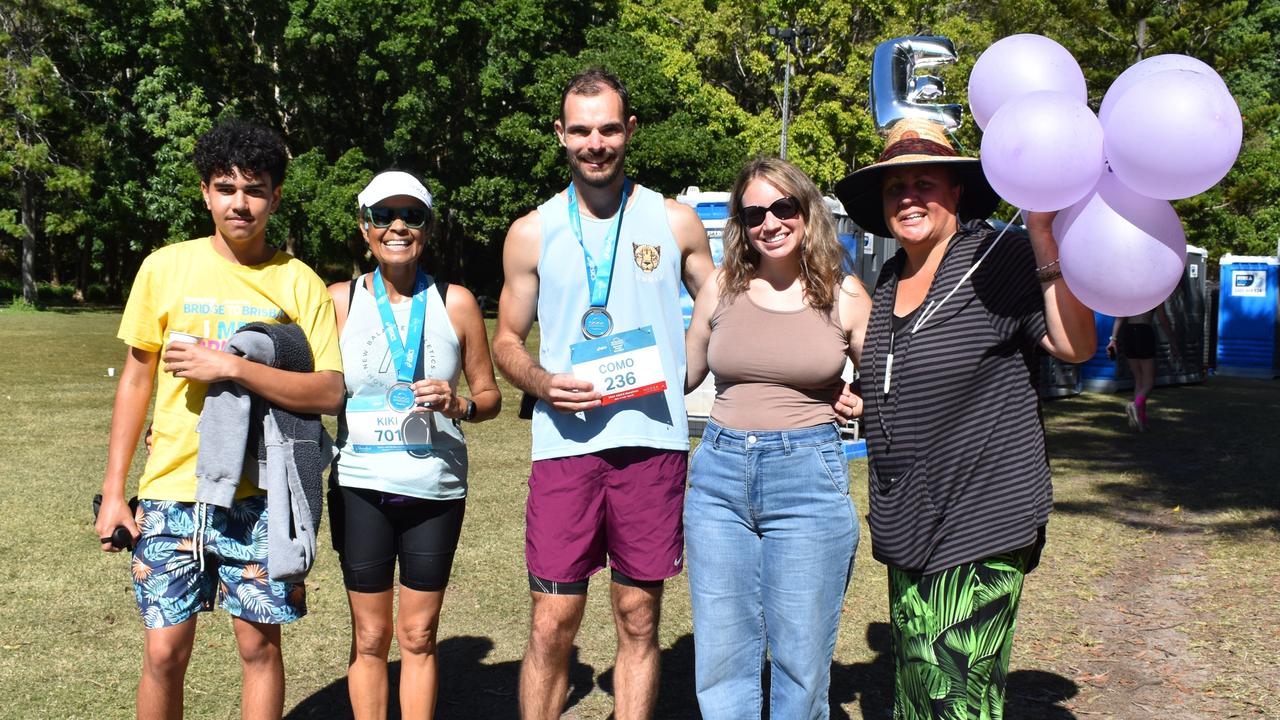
[[1146, 68], [1121, 253], [1174, 134], [1017, 65], [1043, 151]]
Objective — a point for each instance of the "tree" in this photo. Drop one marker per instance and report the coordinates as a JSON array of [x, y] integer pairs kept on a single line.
[[43, 146]]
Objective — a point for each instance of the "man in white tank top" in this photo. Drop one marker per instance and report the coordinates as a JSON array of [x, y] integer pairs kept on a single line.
[[607, 481]]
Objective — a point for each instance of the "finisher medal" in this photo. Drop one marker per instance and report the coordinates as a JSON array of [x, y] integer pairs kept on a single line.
[[415, 433], [596, 323], [400, 397], [404, 351]]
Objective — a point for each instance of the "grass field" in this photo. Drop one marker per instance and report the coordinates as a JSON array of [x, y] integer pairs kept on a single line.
[[1156, 595]]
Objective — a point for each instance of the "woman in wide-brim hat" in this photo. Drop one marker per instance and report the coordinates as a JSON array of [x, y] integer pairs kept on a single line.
[[959, 481]]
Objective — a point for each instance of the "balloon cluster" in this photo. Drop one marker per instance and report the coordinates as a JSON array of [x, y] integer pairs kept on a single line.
[[1168, 128]]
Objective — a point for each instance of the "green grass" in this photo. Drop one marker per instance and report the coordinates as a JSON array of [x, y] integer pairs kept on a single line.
[[71, 636]]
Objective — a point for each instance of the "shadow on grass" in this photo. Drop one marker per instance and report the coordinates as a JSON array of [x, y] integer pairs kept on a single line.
[[469, 688], [1211, 450], [1038, 694]]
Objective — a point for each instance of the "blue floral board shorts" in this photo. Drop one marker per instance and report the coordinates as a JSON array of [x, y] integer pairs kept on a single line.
[[170, 582]]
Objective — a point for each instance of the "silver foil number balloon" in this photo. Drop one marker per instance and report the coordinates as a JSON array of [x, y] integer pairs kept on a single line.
[[897, 92]]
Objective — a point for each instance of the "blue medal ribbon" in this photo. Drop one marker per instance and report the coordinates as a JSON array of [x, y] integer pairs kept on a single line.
[[599, 273], [404, 352]]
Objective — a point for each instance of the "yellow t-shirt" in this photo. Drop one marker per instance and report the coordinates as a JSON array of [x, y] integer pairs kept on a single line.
[[189, 288]]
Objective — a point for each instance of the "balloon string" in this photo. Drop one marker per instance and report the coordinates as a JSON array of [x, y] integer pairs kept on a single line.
[[930, 310]]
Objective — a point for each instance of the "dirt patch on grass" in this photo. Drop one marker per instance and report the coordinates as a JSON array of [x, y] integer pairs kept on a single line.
[[1144, 662], [1157, 597]]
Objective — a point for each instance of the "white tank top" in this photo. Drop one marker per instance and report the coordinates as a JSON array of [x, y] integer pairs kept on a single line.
[[371, 444]]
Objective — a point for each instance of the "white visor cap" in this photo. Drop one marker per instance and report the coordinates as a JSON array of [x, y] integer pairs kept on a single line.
[[390, 184]]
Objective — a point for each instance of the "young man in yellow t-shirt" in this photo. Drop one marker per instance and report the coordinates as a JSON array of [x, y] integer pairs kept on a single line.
[[187, 300]]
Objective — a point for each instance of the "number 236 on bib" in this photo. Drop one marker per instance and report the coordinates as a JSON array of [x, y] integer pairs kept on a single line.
[[621, 366]]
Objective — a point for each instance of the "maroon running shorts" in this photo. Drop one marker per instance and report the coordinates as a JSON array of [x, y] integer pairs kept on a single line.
[[623, 503]]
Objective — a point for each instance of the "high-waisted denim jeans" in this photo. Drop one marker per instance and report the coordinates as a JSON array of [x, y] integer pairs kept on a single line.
[[770, 533]]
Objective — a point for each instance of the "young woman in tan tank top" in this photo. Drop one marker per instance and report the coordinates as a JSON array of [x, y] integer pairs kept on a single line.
[[770, 530]]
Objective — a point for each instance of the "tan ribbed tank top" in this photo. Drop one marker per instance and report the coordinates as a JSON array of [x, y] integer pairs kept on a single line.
[[774, 369]]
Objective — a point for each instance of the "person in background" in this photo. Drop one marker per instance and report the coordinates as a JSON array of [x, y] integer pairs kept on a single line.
[[770, 528], [1135, 337], [399, 486], [959, 478]]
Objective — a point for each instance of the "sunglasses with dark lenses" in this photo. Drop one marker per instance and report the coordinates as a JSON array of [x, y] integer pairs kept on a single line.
[[413, 217], [784, 208]]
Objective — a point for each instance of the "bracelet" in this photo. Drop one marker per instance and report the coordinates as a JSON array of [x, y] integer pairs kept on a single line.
[[1049, 271]]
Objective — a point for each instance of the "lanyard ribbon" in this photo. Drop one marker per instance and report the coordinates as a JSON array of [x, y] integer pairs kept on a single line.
[[599, 274], [404, 352]]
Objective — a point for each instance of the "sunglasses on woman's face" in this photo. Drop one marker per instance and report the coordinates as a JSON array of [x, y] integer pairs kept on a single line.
[[413, 217], [784, 208]]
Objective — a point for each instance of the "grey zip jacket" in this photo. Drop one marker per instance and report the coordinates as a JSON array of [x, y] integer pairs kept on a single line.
[[242, 434]]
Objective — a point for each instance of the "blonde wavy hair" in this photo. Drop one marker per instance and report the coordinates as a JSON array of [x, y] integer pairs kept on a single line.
[[821, 254]]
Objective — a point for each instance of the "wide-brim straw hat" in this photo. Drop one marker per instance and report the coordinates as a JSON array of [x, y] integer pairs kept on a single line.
[[914, 142]]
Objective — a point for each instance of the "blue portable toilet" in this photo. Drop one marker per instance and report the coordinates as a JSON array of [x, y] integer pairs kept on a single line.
[[713, 211], [1176, 364], [1248, 315], [847, 233]]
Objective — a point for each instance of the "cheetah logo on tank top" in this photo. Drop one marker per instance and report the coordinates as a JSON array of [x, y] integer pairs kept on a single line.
[[648, 258]]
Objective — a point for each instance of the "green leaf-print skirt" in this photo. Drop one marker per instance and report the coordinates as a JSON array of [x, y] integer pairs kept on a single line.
[[952, 632]]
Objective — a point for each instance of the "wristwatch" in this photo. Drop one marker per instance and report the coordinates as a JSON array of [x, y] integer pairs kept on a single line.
[[470, 414]]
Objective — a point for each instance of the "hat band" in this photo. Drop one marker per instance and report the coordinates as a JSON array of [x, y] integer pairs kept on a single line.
[[916, 146]]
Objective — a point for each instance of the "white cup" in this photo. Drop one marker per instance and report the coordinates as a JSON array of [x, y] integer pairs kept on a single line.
[[181, 337]]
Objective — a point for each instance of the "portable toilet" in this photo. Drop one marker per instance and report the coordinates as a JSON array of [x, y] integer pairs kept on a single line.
[[1248, 314], [713, 211], [1176, 363], [1188, 310], [847, 233]]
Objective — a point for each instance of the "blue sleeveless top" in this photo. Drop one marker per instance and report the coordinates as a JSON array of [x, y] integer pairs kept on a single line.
[[646, 291]]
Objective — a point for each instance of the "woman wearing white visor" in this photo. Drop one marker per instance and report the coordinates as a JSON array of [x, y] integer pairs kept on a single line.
[[399, 485]]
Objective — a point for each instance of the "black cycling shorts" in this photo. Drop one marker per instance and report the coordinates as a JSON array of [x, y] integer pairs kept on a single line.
[[1138, 342], [371, 529]]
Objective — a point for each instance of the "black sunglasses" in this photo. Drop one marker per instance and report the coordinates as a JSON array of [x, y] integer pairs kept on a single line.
[[784, 208], [413, 217]]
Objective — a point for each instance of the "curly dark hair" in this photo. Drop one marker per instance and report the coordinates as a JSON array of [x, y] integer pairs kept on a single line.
[[239, 144]]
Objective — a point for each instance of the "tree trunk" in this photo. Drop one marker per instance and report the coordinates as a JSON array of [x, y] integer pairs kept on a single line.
[[82, 271], [111, 268], [54, 258], [1141, 37], [28, 240]]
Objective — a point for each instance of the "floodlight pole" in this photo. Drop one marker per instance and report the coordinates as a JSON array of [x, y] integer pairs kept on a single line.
[[788, 36]]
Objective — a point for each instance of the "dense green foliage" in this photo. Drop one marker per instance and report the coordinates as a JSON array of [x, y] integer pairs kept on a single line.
[[102, 100]]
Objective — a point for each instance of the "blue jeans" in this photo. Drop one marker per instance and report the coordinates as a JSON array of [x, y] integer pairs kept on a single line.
[[770, 533]]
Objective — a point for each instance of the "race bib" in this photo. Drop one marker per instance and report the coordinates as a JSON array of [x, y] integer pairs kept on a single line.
[[621, 366], [372, 427]]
